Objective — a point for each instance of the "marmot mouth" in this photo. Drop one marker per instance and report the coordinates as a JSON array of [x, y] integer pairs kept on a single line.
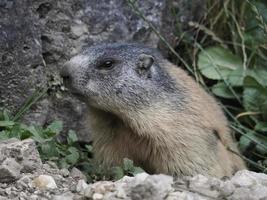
[[76, 94]]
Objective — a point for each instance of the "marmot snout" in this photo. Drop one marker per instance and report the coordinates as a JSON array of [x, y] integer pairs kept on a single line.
[[146, 109]]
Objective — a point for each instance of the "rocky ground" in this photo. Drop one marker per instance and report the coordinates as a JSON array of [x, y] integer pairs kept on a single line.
[[24, 176]]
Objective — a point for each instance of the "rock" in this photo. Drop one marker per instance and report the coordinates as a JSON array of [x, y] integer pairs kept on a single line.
[[65, 196], [77, 174], [97, 196], [227, 188], [24, 152], [22, 69], [44, 182], [3, 198], [243, 194], [153, 187], [9, 170], [246, 178], [204, 185], [81, 186], [24, 181], [65, 172]]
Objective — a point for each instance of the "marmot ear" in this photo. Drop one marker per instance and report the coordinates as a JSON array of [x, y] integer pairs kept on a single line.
[[144, 64]]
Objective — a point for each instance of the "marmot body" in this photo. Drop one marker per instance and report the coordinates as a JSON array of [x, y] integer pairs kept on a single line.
[[146, 109]]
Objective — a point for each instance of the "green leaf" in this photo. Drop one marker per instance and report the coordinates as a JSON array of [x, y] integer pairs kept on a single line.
[[128, 164], [260, 75], [217, 63], [73, 157], [221, 90], [72, 137], [263, 109], [49, 150], [4, 135], [254, 95], [117, 172], [63, 164], [6, 123], [15, 131], [54, 128], [261, 126], [137, 170], [4, 115], [236, 77], [89, 148], [36, 135]]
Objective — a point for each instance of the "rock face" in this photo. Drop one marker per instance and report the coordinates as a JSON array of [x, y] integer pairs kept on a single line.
[[37, 37], [46, 181], [17, 157], [21, 64]]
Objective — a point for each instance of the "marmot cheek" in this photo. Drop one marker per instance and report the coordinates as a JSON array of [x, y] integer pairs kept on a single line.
[[92, 87]]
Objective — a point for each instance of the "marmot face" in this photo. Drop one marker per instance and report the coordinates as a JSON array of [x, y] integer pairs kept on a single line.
[[117, 76]]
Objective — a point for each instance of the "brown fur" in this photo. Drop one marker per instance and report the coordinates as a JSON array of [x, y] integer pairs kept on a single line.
[[191, 141]]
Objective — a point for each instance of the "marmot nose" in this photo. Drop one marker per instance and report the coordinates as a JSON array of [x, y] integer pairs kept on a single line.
[[65, 73]]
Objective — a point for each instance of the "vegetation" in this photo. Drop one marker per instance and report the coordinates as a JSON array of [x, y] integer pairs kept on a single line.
[[227, 54], [231, 60]]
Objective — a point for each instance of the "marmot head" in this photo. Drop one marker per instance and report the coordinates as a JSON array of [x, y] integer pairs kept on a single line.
[[118, 76]]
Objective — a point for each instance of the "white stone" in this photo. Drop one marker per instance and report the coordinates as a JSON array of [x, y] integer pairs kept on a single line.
[[227, 188], [244, 178], [242, 194], [141, 177], [97, 196], [81, 186], [44, 182]]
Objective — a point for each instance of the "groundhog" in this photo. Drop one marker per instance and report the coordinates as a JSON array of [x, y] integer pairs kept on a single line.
[[146, 109]]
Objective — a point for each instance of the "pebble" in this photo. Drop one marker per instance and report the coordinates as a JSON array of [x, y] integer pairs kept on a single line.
[[81, 186], [9, 170], [65, 172], [77, 174], [44, 182], [97, 196]]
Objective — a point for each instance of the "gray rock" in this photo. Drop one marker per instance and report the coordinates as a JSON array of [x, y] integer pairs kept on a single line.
[[24, 181], [247, 178], [65, 172], [77, 174], [65, 196], [9, 170], [22, 69], [153, 187], [243, 194], [24, 152], [81, 186], [202, 184]]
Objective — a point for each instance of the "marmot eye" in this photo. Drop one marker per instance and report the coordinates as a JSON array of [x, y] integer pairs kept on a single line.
[[107, 64]]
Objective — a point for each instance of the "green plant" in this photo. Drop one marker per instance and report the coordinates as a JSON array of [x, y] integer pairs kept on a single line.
[[238, 69], [127, 168]]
